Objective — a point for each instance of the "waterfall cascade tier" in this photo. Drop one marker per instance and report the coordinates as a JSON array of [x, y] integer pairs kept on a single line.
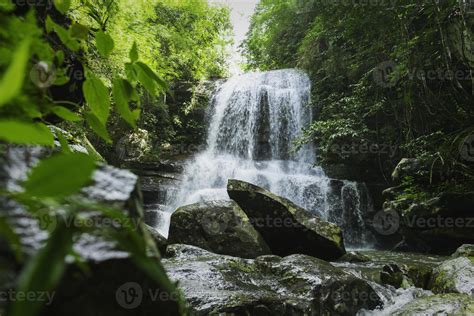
[[255, 120]]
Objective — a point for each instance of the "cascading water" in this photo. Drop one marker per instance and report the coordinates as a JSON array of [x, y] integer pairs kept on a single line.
[[256, 117]]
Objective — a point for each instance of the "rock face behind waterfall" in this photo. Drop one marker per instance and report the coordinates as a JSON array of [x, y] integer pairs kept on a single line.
[[286, 227], [269, 285], [218, 226]]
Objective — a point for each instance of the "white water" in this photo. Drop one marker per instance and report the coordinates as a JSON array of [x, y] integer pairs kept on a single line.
[[255, 119]]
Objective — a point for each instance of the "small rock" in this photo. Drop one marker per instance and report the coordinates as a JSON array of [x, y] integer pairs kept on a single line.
[[354, 257]]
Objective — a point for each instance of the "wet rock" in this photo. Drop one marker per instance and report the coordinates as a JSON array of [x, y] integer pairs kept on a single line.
[[269, 285], [158, 179], [218, 226], [405, 276], [406, 167], [160, 241], [444, 304], [454, 276], [286, 227], [466, 250]]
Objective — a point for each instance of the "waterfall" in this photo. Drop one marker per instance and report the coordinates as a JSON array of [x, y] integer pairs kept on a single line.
[[255, 119]]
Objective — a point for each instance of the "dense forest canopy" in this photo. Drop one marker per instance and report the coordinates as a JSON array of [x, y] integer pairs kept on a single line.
[[389, 74]]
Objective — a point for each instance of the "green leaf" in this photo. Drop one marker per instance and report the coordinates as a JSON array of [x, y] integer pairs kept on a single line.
[[98, 127], [44, 270], [60, 57], [134, 52], [79, 31], [131, 73], [18, 132], [62, 5], [49, 24], [64, 144], [122, 91], [60, 175], [66, 38], [97, 97], [11, 237], [12, 81], [152, 75], [105, 43], [66, 114]]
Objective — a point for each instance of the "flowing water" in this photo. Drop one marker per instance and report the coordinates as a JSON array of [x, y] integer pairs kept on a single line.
[[254, 121]]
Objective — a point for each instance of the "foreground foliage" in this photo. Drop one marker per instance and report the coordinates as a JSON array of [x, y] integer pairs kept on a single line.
[[87, 65]]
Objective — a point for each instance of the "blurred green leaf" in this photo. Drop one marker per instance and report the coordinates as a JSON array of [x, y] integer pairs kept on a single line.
[[79, 31], [60, 175], [19, 132], [66, 114], [64, 144], [44, 270], [122, 91], [62, 5], [97, 97], [12, 82], [11, 237], [145, 72], [105, 43], [98, 127], [66, 38], [131, 73], [134, 52]]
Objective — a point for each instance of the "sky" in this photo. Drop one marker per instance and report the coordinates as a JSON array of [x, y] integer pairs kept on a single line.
[[241, 11]]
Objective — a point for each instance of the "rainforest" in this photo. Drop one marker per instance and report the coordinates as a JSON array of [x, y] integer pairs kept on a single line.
[[231, 157]]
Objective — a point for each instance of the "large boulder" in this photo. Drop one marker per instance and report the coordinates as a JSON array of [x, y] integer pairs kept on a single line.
[[445, 304], [218, 226], [269, 285], [286, 227], [454, 276]]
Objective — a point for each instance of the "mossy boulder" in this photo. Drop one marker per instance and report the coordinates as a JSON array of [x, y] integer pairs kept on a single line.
[[444, 304], [218, 226], [287, 228], [454, 276], [269, 285], [405, 276]]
